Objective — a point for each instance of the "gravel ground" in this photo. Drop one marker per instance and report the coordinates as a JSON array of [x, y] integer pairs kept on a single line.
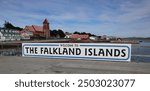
[[26, 65]]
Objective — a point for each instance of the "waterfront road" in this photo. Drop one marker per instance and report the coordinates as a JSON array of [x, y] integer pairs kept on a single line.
[[25, 65]]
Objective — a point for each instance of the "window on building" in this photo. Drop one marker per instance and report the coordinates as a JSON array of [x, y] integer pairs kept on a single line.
[[2, 30]]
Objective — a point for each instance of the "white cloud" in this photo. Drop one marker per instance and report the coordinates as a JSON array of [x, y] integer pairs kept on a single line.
[[134, 12], [110, 17]]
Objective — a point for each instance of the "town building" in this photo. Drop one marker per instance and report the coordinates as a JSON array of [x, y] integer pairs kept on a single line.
[[94, 38], [79, 36], [67, 35], [26, 35], [9, 34], [39, 31]]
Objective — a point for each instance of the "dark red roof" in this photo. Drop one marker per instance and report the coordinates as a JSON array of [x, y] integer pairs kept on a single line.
[[34, 28], [38, 28], [29, 28], [75, 36]]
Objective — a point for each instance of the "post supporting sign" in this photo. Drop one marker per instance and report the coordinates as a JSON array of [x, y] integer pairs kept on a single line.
[[87, 51]]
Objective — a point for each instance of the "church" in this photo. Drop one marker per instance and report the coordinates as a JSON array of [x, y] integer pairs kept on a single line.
[[39, 32]]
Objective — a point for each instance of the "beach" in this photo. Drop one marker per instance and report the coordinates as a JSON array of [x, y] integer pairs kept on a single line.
[[27, 65]]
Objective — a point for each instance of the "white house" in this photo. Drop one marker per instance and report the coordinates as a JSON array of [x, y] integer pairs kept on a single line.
[[67, 36], [93, 38], [9, 34], [26, 35]]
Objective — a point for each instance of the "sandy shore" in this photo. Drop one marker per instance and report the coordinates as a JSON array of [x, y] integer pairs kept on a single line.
[[24, 65]]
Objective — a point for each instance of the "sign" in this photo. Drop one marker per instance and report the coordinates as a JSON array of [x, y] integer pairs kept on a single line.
[[87, 51]]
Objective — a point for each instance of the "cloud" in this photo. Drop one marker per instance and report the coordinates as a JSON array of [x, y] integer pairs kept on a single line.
[[101, 17], [128, 12], [134, 12]]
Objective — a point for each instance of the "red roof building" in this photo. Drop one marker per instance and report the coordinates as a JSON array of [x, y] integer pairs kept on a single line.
[[79, 37], [39, 31]]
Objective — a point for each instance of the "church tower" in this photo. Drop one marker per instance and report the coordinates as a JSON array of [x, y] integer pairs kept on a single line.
[[46, 29]]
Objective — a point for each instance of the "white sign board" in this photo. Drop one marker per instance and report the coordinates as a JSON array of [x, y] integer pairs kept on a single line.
[[88, 51]]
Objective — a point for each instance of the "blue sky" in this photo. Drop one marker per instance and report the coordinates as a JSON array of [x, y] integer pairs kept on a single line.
[[121, 18]]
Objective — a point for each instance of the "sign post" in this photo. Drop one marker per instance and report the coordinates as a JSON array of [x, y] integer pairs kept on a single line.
[[87, 51]]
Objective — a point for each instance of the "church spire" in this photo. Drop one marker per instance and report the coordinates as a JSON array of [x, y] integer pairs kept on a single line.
[[46, 21], [46, 29]]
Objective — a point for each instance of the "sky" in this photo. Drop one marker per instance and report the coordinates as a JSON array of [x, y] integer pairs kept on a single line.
[[121, 18]]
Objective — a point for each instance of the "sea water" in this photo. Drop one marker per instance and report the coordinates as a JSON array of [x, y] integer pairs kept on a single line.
[[141, 52]]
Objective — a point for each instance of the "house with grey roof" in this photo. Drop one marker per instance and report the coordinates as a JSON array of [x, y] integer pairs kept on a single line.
[[9, 34]]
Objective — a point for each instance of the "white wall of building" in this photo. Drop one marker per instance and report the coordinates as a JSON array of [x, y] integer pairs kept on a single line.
[[9, 35]]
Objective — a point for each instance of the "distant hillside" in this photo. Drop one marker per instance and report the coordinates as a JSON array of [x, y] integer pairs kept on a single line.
[[137, 38]]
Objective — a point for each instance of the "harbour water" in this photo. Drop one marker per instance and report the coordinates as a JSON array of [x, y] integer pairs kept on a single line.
[[141, 51]]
